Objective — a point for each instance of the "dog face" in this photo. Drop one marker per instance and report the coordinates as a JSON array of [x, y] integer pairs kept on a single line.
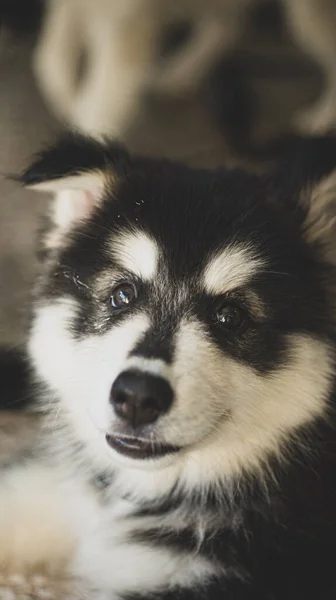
[[182, 318]]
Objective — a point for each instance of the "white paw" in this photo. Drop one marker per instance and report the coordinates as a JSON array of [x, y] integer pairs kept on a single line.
[[37, 587]]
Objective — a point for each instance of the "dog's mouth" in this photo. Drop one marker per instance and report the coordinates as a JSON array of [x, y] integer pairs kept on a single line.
[[139, 448]]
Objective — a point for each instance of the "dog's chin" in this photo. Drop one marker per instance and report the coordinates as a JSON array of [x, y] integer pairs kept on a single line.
[[141, 451]]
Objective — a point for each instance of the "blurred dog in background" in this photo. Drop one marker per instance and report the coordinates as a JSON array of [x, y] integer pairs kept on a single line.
[[96, 59]]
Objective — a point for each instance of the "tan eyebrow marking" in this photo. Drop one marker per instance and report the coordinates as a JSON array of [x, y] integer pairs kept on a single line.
[[231, 268], [135, 251]]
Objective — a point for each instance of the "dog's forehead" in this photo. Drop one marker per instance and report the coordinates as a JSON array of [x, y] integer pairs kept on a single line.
[[189, 198], [187, 214], [139, 253], [192, 225], [185, 218]]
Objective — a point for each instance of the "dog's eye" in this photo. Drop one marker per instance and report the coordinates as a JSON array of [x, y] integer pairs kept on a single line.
[[123, 296], [231, 317]]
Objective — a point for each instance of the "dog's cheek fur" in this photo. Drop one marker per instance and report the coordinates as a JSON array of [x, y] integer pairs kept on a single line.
[[264, 413], [81, 372], [235, 416]]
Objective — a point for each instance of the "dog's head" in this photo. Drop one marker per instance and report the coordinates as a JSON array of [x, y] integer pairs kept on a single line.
[[183, 318]]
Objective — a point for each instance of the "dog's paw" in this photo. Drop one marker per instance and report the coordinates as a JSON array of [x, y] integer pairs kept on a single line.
[[34, 587]]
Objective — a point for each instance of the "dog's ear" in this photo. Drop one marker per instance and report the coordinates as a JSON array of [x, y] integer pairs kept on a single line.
[[305, 183], [80, 173]]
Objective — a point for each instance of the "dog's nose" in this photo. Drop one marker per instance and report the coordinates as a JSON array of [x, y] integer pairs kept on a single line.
[[140, 398]]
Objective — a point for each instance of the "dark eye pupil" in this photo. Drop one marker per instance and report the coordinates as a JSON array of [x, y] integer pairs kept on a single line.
[[123, 296], [229, 316]]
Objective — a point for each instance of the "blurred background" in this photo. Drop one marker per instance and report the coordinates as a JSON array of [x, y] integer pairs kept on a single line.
[[208, 82]]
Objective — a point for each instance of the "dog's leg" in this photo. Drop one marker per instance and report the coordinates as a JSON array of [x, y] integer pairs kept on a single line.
[[313, 24], [103, 100], [110, 92], [57, 55], [120, 50]]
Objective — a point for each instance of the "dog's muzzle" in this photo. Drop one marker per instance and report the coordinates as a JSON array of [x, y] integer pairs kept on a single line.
[[139, 399]]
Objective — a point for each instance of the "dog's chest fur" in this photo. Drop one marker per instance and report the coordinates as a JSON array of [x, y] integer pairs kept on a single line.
[[130, 550], [94, 537]]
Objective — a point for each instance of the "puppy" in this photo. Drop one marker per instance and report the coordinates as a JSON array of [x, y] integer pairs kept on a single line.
[[183, 340]]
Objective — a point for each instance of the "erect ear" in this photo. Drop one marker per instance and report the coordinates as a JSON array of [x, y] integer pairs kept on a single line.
[[305, 183], [79, 172]]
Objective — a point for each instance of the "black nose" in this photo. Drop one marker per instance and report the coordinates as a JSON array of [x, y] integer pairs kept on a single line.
[[140, 398]]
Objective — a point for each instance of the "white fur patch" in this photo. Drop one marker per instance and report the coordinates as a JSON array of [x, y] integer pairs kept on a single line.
[[107, 556], [136, 252], [230, 269], [82, 372]]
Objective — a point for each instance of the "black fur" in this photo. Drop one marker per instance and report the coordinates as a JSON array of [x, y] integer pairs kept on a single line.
[[71, 156]]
